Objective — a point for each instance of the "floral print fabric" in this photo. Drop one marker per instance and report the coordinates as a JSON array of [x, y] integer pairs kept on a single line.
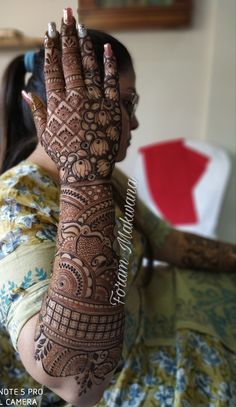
[[28, 208], [197, 371]]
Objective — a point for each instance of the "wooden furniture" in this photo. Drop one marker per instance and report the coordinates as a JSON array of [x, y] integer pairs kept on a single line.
[[117, 18]]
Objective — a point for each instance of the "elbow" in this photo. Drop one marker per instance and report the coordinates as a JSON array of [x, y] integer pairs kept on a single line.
[[89, 399], [69, 390], [65, 387]]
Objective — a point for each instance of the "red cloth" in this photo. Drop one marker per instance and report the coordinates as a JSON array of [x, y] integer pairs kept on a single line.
[[172, 171]]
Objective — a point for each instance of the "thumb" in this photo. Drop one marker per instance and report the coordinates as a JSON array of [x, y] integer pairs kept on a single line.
[[38, 110]]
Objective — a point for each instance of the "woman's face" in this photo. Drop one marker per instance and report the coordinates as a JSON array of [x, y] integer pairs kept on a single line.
[[129, 99]]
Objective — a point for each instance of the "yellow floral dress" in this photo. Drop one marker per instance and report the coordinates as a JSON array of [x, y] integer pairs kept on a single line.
[[180, 335]]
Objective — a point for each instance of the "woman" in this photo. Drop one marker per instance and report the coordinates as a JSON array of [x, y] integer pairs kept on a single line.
[[64, 307]]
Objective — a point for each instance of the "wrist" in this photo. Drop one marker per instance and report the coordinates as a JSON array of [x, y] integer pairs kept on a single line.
[[86, 171], [78, 184]]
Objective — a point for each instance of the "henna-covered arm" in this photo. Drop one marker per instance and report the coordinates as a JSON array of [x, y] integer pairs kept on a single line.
[[176, 247], [189, 250], [183, 249], [79, 332]]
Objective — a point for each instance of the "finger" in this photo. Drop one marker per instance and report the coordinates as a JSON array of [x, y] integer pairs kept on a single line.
[[111, 77], [90, 67], [38, 110], [71, 59], [54, 79]]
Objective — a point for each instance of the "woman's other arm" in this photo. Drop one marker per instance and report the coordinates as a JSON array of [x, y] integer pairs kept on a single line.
[[189, 250], [183, 249]]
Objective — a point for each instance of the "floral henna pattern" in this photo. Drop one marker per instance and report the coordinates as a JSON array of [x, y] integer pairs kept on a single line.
[[78, 141], [83, 121], [92, 77], [79, 332]]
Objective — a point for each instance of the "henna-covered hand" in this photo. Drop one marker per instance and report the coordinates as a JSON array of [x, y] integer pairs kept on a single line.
[[81, 128], [79, 332]]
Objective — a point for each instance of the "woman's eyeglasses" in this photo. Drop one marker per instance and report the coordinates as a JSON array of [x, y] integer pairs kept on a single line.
[[130, 101]]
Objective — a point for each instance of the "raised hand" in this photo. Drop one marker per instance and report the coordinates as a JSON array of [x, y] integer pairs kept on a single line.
[[79, 331], [81, 128]]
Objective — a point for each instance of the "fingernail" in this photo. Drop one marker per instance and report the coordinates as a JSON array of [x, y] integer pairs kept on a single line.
[[107, 50], [27, 97], [82, 31], [52, 29], [68, 15]]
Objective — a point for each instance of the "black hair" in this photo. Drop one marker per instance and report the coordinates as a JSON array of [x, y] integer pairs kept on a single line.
[[18, 136]]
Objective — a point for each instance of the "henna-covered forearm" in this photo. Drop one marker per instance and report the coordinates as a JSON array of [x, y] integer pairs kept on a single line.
[[189, 250], [176, 247], [80, 333]]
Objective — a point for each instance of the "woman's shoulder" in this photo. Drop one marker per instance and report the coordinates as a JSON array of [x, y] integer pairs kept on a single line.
[[28, 173], [25, 183], [28, 207]]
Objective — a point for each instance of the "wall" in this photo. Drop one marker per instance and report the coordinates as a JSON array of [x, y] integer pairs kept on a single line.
[[185, 79], [30, 17]]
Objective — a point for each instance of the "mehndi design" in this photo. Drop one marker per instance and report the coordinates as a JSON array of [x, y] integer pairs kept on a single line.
[[192, 251], [79, 333], [202, 253], [79, 120]]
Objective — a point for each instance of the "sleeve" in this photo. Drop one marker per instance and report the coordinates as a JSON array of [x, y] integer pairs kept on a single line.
[[28, 226]]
